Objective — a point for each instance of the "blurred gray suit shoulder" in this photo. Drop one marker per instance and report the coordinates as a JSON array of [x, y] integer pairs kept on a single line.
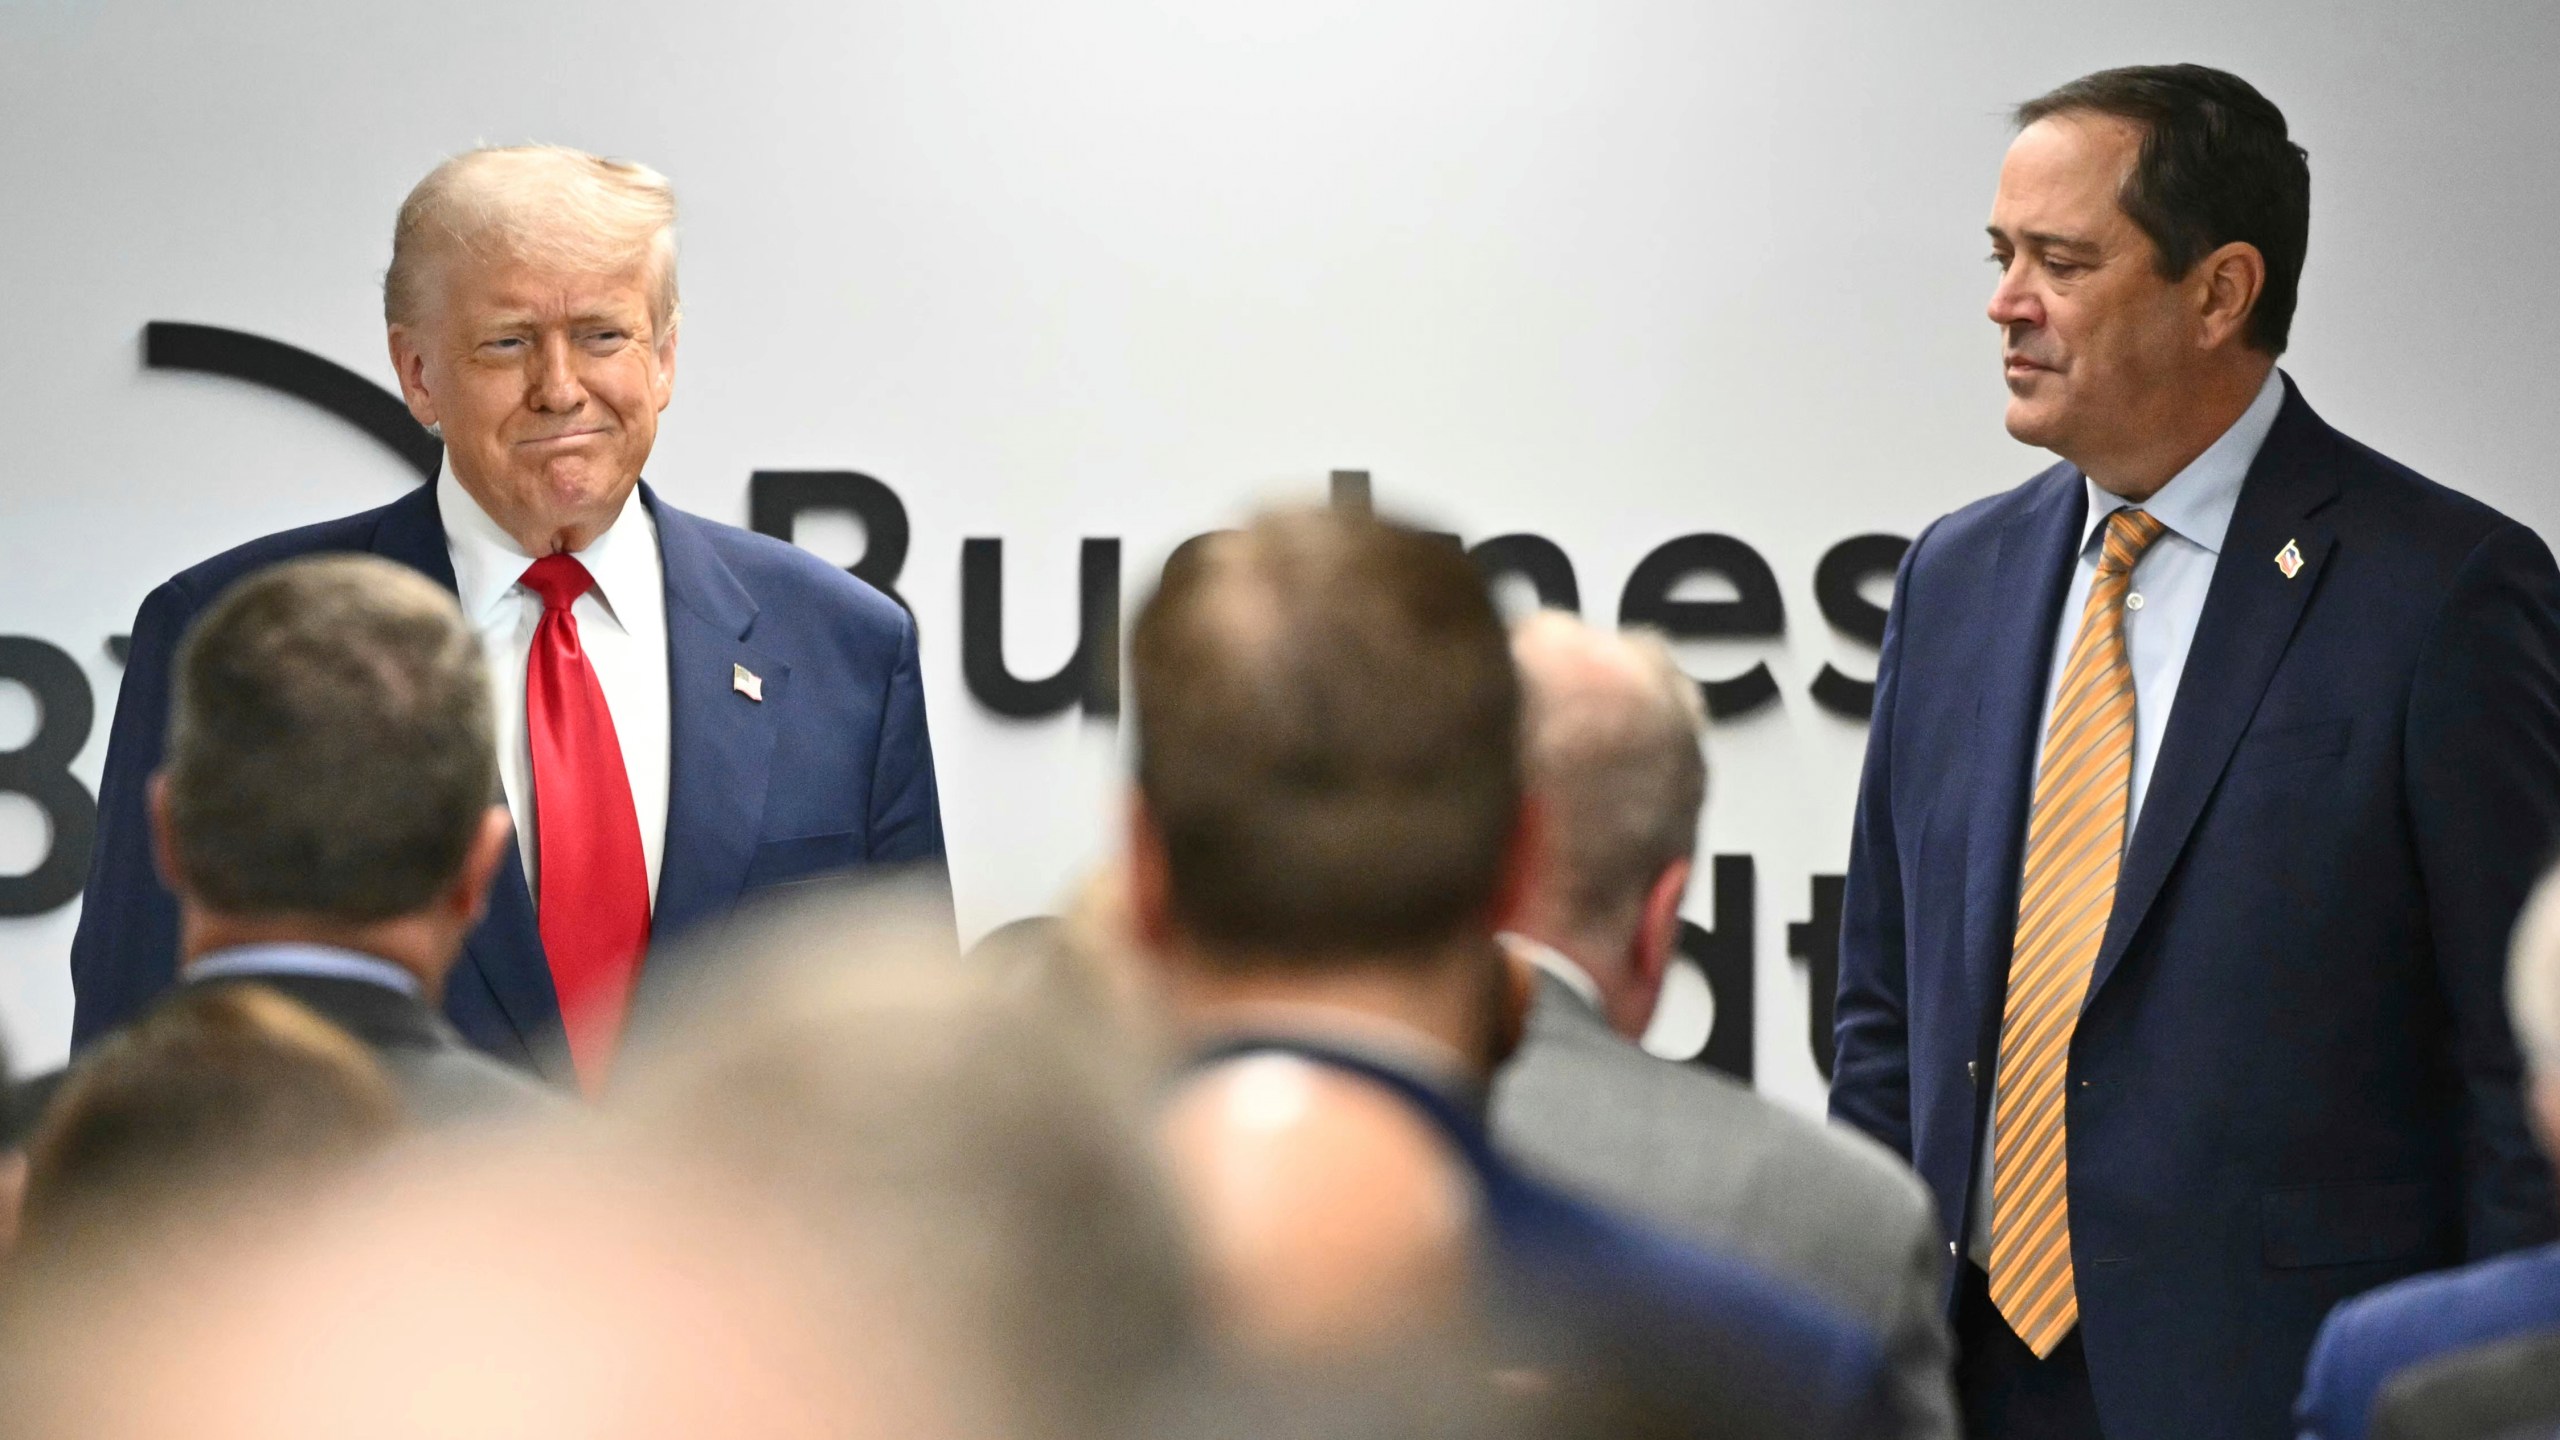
[[1710, 1160]]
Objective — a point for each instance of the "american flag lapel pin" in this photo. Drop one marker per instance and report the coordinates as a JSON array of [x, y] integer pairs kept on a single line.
[[746, 682], [2288, 560]]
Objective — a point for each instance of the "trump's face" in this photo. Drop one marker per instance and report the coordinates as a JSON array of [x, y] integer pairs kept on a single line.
[[2093, 338], [547, 383]]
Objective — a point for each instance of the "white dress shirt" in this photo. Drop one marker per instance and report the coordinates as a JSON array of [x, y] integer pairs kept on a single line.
[[1566, 970], [622, 625], [2161, 610]]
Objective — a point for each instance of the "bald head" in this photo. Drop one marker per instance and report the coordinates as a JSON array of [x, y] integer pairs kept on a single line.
[[1611, 740], [1332, 1221]]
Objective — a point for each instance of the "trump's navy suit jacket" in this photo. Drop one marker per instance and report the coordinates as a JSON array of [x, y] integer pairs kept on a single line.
[[832, 768], [2293, 1079]]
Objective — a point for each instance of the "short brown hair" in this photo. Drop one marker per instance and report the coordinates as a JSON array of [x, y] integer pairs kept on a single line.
[[223, 1084], [330, 746], [1328, 736]]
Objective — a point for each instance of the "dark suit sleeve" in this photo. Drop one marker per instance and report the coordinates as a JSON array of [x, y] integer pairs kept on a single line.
[[2483, 758], [906, 806], [126, 949], [1871, 1068]]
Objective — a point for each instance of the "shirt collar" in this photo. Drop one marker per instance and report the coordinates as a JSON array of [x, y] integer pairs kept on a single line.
[[1556, 963], [244, 962], [488, 563], [2198, 501]]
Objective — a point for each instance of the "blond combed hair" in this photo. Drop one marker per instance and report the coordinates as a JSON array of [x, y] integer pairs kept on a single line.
[[547, 204]]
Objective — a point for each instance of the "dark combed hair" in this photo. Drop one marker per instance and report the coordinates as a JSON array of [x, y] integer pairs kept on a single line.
[[330, 743], [2217, 165], [1328, 737]]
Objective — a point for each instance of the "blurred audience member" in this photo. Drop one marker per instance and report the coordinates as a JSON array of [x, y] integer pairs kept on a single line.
[[2509, 1390], [508, 1288], [964, 1139], [1612, 744], [2371, 1338], [1327, 832], [221, 1090], [326, 815], [16, 1115]]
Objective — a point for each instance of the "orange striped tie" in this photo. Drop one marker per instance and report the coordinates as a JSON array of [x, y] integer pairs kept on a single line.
[[2075, 843]]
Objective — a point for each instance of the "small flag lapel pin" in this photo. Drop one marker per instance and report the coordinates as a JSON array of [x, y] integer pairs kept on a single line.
[[746, 682], [2288, 560]]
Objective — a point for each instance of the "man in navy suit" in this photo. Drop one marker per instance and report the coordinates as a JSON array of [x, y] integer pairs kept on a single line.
[[2208, 770], [685, 711], [2370, 1340]]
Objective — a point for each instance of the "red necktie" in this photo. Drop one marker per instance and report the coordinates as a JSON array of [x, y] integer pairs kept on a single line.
[[594, 906]]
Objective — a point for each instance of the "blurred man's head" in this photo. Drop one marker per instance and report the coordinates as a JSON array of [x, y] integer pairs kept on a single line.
[[2533, 1002], [228, 1093], [331, 773], [532, 309], [2149, 228], [1612, 746], [963, 1138], [545, 1288], [1328, 751], [1329, 829]]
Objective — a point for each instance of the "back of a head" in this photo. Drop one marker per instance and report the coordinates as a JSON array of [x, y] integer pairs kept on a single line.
[[221, 1094], [969, 1150], [540, 1284], [1612, 751], [331, 753], [1328, 731]]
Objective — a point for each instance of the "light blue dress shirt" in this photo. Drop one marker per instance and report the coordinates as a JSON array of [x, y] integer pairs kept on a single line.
[[249, 962], [2161, 610]]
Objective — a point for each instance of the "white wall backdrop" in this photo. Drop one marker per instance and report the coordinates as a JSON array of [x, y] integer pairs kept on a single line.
[[1611, 271]]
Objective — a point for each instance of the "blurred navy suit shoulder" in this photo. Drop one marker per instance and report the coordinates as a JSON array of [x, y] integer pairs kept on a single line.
[[832, 768], [2375, 1336], [1679, 1340], [2293, 1079]]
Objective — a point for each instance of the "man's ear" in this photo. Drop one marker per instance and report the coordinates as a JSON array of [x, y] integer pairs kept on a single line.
[[2231, 282], [164, 841], [1522, 851], [1149, 878], [409, 363], [2543, 1098], [467, 898], [1658, 936], [1515, 996], [666, 383]]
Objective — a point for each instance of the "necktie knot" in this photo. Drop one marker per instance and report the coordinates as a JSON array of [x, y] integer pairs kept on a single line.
[[2129, 533], [559, 579]]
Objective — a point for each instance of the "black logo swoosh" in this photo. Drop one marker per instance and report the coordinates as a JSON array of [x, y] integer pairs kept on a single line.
[[177, 345]]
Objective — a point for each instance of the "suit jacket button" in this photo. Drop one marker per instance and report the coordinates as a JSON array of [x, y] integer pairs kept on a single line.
[[1973, 1071]]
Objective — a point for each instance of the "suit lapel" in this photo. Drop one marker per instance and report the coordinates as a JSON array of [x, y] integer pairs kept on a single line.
[[411, 531], [506, 946], [2249, 617], [2029, 576], [721, 741]]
